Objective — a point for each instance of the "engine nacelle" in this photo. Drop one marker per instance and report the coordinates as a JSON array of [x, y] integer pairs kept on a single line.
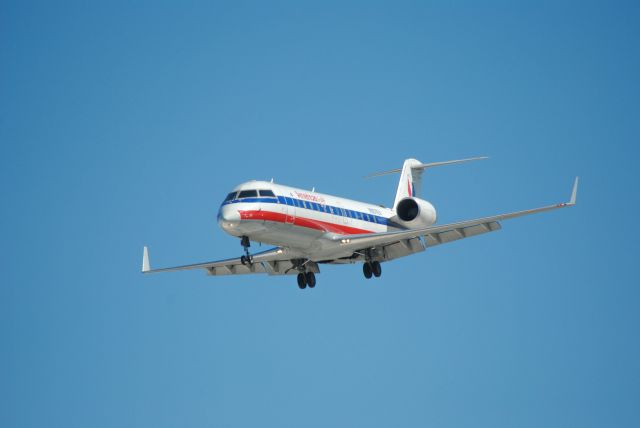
[[415, 213]]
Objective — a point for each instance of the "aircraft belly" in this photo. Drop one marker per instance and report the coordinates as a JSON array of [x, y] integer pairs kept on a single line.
[[286, 235]]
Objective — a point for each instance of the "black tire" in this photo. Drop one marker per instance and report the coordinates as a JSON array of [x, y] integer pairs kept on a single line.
[[311, 279], [366, 269], [302, 281], [376, 268]]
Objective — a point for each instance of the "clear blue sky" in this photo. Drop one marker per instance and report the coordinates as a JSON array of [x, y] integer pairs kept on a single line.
[[126, 124]]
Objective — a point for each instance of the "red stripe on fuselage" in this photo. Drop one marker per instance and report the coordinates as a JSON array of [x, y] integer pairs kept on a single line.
[[300, 221]]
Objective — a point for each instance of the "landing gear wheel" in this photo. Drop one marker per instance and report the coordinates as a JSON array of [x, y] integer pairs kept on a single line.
[[376, 268], [302, 281], [246, 259], [311, 279], [366, 269]]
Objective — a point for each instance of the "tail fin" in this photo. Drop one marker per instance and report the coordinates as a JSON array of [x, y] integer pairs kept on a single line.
[[410, 184]]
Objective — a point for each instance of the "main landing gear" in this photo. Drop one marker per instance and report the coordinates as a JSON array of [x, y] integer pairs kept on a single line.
[[246, 259], [306, 278], [372, 269]]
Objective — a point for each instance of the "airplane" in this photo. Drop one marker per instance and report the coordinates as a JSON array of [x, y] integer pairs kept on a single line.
[[309, 229]]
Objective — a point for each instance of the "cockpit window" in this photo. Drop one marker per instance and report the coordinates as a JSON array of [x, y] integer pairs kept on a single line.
[[230, 196], [248, 194], [267, 193]]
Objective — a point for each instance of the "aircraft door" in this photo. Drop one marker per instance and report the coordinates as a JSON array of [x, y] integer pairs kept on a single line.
[[343, 214], [289, 212]]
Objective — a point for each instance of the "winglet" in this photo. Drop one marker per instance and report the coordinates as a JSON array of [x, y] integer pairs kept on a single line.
[[574, 193], [145, 260]]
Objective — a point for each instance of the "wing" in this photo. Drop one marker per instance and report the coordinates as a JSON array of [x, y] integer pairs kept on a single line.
[[435, 235], [276, 261]]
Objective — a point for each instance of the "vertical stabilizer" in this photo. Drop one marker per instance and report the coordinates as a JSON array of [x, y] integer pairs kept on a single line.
[[410, 184]]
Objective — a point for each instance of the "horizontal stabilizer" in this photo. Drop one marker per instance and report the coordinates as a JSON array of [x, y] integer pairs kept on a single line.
[[423, 166]]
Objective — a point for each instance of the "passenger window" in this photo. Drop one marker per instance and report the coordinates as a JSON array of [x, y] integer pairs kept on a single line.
[[248, 194], [267, 193], [230, 196], [289, 201]]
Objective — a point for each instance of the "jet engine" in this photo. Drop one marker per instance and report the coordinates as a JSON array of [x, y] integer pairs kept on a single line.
[[415, 213]]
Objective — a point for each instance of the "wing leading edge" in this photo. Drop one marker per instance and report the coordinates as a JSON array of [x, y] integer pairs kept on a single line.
[[435, 235]]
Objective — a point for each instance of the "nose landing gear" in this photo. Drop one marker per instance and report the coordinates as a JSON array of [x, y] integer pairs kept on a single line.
[[246, 259]]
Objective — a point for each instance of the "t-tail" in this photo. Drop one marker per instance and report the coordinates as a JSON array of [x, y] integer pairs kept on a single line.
[[410, 185]]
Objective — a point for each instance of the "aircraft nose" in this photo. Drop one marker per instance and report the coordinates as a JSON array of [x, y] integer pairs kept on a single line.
[[228, 218]]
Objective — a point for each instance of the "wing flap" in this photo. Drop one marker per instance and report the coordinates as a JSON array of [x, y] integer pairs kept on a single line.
[[455, 234], [274, 267]]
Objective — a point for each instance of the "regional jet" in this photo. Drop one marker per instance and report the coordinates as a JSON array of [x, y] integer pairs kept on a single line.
[[309, 229]]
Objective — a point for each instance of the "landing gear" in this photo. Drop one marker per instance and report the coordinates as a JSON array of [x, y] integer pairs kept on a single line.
[[246, 259], [376, 268], [311, 279], [304, 279], [370, 269], [305, 276], [366, 269]]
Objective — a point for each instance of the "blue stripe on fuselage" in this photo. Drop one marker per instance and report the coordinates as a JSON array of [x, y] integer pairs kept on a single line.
[[314, 206]]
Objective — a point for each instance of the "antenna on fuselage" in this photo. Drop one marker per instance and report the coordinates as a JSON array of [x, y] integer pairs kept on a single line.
[[313, 189], [271, 179]]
